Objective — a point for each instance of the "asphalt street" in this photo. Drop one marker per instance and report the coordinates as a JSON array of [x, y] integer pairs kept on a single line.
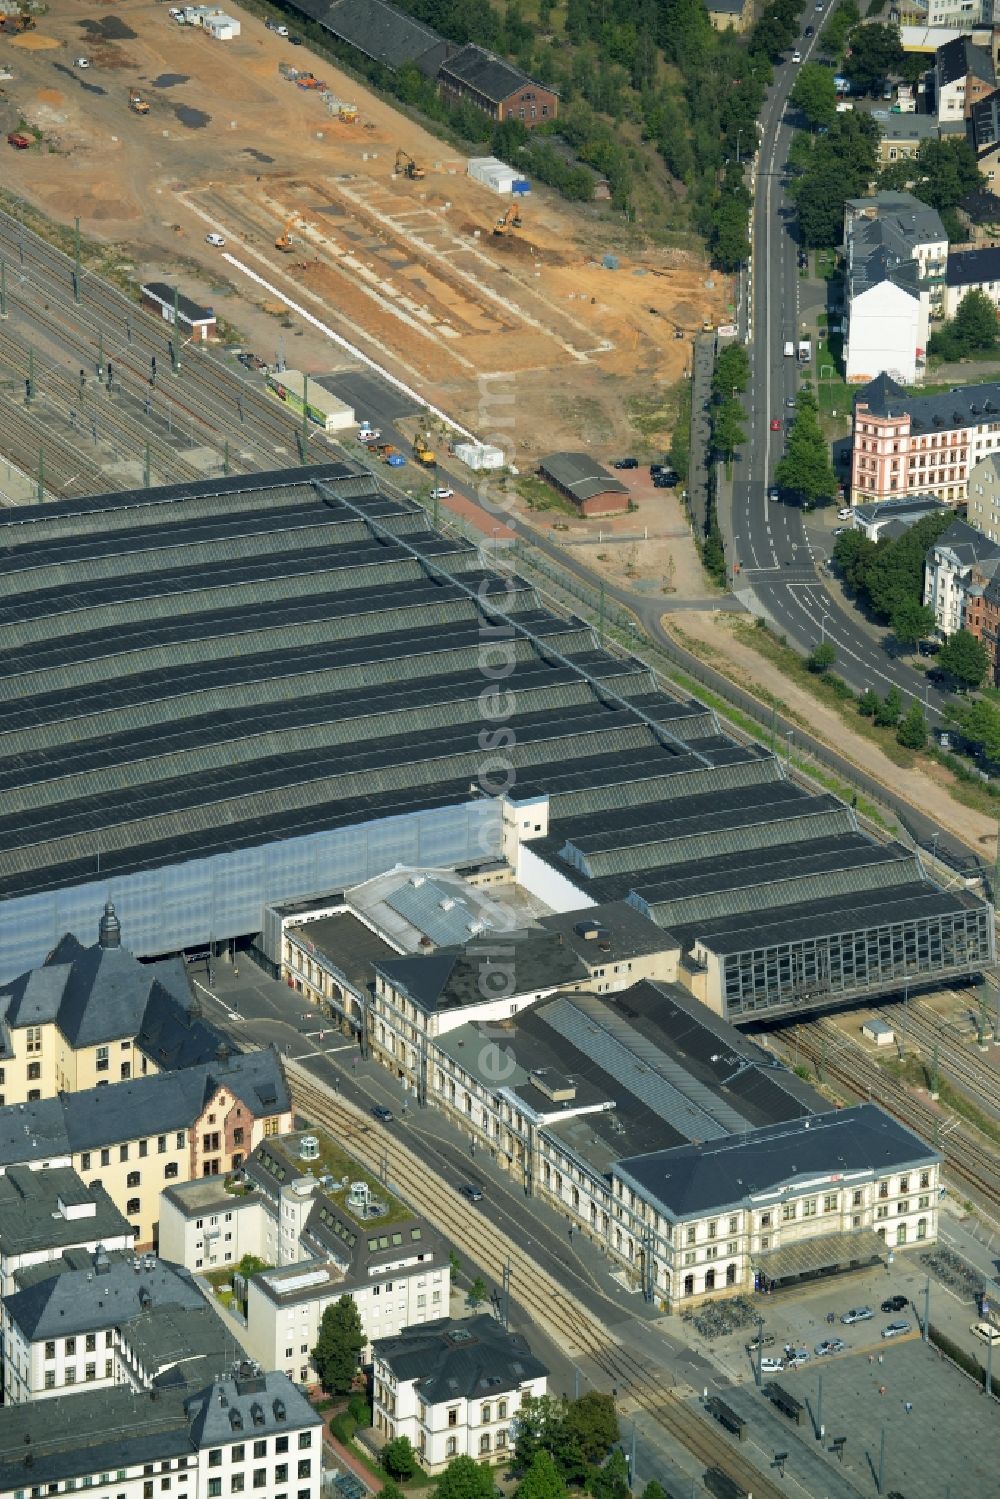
[[779, 556]]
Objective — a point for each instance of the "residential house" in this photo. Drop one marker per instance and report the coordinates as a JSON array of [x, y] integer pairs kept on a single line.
[[139, 1136], [902, 135], [904, 444], [496, 87], [893, 517], [96, 1015], [964, 74], [983, 509], [960, 559], [44, 1214], [454, 1389], [895, 250], [971, 270], [730, 15], [765, 1209], [323, 1237], [251, 1429], [980, 217]]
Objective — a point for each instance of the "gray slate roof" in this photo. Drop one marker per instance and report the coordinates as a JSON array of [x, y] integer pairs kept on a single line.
[[187, 311], [910, 509], [693, 1180], [973, 267], [454, 1360], [581, 475], [146, 1105], [485, 73], [967, 545], [63, 1303], [962, 406], [911, 218], [458, 976], [380, 31], [29, 1211], [961, 58]]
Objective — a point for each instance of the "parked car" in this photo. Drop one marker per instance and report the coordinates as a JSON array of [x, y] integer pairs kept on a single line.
[[857, 1314], [794, 1357], [774, 493], [808, 31], [665, 481], [828, 1346], [771, 1366], [382, 1114], [442, 492], [81, 62], [895, 1329], [296, 41], [790, 402], [895, 1303], [217, 240], [841, 530], [985, 1332], [626, 463], [472, 1192], [767, 1341], [845, 512]]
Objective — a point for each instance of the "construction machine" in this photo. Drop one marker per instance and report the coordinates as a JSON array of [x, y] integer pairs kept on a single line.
[[511, 220], [408, 167], [422, 450], [137, 103], [284, 242]]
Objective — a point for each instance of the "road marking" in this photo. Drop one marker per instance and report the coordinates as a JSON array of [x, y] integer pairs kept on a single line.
[[232, 1014]]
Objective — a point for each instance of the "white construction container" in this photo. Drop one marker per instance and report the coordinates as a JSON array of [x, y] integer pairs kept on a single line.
[[492, 173], [479, 455], [222, 27]]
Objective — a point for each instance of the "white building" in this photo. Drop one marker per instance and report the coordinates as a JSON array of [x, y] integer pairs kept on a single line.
[[45, 1213], [964, 75], [948, 570], [895, 249], [777, 1204], [325, 1238], [454, 1389], [250, 1433]]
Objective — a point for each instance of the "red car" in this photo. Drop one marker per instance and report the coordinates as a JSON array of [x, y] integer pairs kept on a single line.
[[776, 424]]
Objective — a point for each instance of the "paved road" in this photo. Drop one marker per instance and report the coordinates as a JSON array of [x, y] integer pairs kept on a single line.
[[779, 557]]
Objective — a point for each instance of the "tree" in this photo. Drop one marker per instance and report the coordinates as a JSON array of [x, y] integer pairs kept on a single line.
[[251, 1264], [654, 1490], [814, 93], [611, 1481], [822, 658], [338, 1346], [912, 621], [912, 732], [963, 658], [868, 703], [732, 371], [390, 1490], [399, 1458], [540, 1425], [888, 711], [593, 1421], [478, 1291], [464, 1478], [805, 467], [876, 53], [542, 1480], [980, 723], [973, 330], [728, 433]]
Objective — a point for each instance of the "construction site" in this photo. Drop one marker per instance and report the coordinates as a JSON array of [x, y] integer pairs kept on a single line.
[[330, 200]]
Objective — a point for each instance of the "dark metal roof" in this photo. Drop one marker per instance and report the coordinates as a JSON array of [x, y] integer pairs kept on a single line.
[[472, 1359], [187, 311], [973, 267], [485, 74], [581, 475]]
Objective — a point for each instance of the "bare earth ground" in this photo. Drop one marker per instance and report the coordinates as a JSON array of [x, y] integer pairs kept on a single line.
[[923, 786], [409, 271]]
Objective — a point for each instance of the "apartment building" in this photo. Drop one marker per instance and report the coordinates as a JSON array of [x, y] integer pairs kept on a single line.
[[957, 569], [325, 1236], [100, 1320], [971, 270], [777, 1205], [964, 75], [895, 251], [90, 1016], [139, 1136], [454, 1389], [245, 1432], [45, 1214], [904, 444]]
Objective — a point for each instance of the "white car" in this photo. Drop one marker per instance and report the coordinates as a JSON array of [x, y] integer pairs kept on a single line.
[[796, 1356], [845, 513], [895, 1329], [81, 62], [771, 1366], [217, 240], [796, 55], [369, 434], [441, 493]]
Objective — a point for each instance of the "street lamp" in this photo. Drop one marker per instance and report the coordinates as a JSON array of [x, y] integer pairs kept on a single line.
[[822, 629], [788, 736]]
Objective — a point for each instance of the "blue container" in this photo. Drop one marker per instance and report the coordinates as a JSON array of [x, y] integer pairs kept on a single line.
[[520, 185]]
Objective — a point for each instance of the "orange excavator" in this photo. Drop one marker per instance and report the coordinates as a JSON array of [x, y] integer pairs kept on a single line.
[[284, 242], [511, 220]]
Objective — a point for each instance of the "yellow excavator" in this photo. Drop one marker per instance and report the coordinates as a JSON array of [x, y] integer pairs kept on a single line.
[[422, 450], [406, 166], [511, 220], [284, 242]]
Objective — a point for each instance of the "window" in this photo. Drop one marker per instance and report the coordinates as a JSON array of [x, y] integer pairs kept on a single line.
[[50, 1379], [105, 1158], [70, 1376], [484, 1442], [210, 1141], [133, 1207], [50, 1348], [485, 1415], [91, 1372], [236, 1483], [70, 1347], [102, 1059], [450, 1447], [34, 1071], [34, 1039], [765, 1220], [305, 1467], [238, 1135], [109, 1368], [453, 1417], [214, 1488], [260, 1449], [143, 1147], [809, 1207], [260, 1478], [123, 1152], [305, 1440], [170, 1171], [215, 1458], [133, 1179], [281, 1473], [831, 1202], [925, 1178], [788, 1212], [181, 1139], [281, 1444]]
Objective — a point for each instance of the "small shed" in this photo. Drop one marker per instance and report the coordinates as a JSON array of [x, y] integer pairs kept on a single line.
[[586, 482], [479, 456], [878, 1032], [222, 27], [159, 297]]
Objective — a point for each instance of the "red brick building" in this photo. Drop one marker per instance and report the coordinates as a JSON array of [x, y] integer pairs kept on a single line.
[[496, 87], [591, 488]]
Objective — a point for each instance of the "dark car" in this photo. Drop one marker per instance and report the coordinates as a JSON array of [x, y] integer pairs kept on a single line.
[[472, 1192], [382, 1114], [808, 31], [665, 480], [296, 41], [895, 1303], [767, 1341], [626, 463]]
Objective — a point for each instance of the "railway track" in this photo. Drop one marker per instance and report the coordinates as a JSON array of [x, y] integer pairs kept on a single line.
[[969, 1157], [646, 1388], [207, 397], [921, 1027]]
